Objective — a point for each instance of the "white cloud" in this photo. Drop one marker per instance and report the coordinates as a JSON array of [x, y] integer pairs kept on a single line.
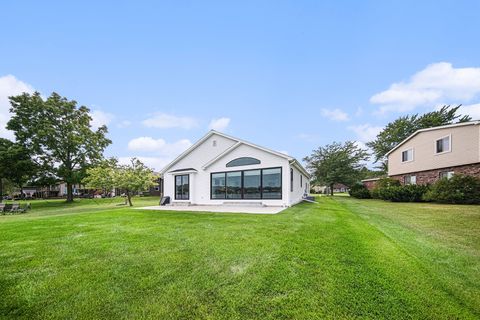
[[124, 124], [159, 146], [165, 121], [100, 118], [219, 124], [335, 114], [438, 83], [164, 152], [9, 86], [365, 132], [472, 110]]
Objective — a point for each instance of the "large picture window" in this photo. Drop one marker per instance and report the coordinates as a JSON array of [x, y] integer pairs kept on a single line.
[[218, 186], [247, 184], [252, 184], [182, 187], [234, 185]]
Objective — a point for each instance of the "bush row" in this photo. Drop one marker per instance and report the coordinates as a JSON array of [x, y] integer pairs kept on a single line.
[[458, 189]]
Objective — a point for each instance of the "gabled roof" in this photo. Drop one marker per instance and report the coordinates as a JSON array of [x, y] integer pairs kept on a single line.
[[461, 124], [238, 142]]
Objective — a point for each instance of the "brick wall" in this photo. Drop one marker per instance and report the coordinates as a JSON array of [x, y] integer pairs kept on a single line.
[[370, 184], [430, 176]]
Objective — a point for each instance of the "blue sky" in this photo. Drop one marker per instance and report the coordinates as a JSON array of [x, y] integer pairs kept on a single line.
[[288, 75]]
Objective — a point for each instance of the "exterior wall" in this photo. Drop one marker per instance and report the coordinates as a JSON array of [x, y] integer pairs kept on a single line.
[[370, 184], [200, 184], [196, 159], [296, 195], [430, 176], [465, 149]]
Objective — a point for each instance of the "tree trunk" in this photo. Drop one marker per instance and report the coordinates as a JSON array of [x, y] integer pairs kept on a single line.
[[331, 189], [129, 197], [69, 192], [1, 190]]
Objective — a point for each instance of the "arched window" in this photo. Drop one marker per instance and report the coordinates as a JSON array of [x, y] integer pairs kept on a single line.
[[243, 161]]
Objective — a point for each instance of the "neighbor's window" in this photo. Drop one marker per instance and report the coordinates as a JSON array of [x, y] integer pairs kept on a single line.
[[407, 155], [182, 187], [446, 174], [410, 180], [442, 145], [301, 180]]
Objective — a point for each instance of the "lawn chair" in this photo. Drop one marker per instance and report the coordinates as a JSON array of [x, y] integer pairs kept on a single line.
[[2, 208], [15, 208], [24, 208]]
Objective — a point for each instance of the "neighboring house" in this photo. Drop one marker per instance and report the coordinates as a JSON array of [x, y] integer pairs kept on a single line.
[[340, 187], [220, 169], [156, 190], [370, 183], [430, 154]]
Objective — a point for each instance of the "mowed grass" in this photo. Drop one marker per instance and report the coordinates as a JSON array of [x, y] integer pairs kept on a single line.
[[341, 258]]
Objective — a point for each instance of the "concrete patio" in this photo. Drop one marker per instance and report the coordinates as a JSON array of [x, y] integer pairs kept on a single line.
[[222, 209]]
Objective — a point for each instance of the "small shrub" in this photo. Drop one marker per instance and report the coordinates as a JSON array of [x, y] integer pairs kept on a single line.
[[379, 191], [458, 189], [407, 193], [359, 191]]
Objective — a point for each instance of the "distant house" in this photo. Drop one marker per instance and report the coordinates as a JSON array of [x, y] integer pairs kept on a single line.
[[221, 169], [439, 152]]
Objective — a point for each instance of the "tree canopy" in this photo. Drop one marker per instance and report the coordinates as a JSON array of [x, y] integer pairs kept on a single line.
[[131, 178], [337, 163], [16, 165], [399, 129], [58, 134]]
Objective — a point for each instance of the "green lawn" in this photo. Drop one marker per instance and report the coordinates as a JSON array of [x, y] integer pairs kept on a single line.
[[342, 258]]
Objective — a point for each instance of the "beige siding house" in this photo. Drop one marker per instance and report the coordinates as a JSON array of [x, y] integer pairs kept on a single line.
[[433, 153]]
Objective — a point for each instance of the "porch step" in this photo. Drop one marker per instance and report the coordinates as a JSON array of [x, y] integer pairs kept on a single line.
[[244, 203], [181, 204]]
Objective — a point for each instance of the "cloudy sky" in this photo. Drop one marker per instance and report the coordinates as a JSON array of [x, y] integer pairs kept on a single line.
[[289, 75]]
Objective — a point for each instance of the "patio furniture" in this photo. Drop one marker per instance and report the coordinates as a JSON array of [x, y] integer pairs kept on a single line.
[[15, 208]]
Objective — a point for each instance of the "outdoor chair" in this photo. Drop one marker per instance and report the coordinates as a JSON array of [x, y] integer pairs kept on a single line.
[[15, 208]]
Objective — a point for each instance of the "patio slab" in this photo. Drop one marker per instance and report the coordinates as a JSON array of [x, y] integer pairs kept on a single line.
[[222, 209]]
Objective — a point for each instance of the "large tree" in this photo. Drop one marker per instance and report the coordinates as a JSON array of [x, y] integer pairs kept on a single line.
[[398, 130], [135, 177], [16, 165], [58, 134], [337, 163]]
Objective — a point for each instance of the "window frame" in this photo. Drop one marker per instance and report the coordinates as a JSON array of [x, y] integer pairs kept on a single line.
[[243, 187], [410, 176], [449, 136], [175, 186], [406, 150], [449, 174]]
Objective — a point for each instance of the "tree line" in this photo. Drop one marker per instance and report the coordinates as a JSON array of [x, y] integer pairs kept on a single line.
[[54, 140]]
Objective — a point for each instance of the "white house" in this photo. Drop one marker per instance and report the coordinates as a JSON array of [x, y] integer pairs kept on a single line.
[[220, 169]]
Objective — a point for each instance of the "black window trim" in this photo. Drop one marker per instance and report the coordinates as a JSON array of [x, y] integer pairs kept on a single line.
[[242, 194], [175, 185]]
